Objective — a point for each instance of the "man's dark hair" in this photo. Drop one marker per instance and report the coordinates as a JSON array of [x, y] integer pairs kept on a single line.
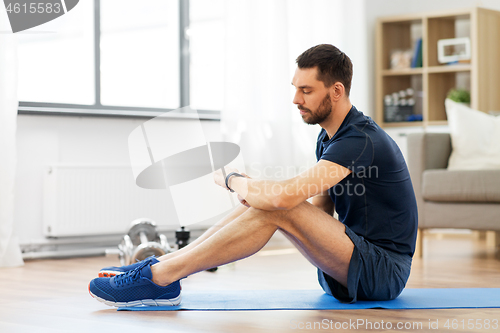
[[333, 65]]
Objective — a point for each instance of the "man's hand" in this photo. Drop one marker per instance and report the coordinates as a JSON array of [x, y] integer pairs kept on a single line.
[[220, 178], [243, 201], [240, 198], [221, 181]]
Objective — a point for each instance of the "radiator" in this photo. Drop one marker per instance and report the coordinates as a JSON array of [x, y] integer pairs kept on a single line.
[[99, 200]]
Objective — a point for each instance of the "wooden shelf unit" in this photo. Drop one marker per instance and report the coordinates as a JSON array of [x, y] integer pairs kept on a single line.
[[433, 80]]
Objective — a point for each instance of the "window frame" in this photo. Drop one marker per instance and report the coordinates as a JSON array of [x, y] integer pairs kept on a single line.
[[97, 109]]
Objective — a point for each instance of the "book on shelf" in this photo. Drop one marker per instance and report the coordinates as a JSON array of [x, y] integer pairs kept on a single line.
[[417, 54]]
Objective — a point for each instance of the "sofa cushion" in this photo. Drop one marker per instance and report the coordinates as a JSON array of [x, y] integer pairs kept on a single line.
[[474, 137], [461, 186]]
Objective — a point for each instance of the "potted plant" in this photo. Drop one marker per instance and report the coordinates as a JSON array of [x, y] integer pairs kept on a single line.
[[459, 96]]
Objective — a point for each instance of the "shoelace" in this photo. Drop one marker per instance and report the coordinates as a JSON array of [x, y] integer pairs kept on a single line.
[[132, 275]]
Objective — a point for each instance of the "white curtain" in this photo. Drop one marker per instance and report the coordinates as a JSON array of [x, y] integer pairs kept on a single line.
[[263, 39], [10, 254]]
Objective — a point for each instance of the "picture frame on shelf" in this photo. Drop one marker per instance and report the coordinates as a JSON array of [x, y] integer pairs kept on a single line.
[[454, 49]]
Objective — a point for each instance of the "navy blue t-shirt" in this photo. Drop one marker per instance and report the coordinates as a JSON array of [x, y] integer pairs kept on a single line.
[[376, 200]]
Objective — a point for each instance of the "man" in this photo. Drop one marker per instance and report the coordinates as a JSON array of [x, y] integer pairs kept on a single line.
[[360, 173]]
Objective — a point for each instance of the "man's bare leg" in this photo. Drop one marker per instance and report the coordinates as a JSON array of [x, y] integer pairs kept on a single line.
[[321, 238], [212, 230], [297, 245]]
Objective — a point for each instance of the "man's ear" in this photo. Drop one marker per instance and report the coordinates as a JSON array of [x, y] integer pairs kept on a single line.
[[337, 91]]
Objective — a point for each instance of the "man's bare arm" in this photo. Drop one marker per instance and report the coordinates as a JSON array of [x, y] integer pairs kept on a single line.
[[284, 195], [324, 202]]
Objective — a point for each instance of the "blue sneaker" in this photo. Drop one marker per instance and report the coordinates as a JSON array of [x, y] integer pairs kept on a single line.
[[113, 270], [135, 288]]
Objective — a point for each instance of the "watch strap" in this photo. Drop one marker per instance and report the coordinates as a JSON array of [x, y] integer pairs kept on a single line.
[[229, 176]]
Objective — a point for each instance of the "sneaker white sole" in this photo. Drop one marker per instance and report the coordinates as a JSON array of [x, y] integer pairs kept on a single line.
[[142, 302]]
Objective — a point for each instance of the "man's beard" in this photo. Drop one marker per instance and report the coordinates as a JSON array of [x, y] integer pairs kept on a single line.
[[320, 115]]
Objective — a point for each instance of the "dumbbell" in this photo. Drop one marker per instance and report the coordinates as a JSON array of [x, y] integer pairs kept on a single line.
[[141, 242], [182, 236]]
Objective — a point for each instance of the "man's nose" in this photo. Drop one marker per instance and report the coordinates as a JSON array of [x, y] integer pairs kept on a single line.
[[297, 99]]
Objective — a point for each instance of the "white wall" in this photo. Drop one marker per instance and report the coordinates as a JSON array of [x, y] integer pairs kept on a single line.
[[356, 46], [49, 140]]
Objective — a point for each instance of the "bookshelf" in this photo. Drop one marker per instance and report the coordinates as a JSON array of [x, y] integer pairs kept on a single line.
[[432, 81]]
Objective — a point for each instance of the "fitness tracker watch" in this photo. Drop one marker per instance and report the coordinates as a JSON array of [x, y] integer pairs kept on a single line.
[[227, 179]]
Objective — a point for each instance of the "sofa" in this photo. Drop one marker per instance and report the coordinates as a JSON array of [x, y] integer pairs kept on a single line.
[[464, 199]]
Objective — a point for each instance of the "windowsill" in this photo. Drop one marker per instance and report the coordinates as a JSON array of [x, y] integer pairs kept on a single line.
[[52, 111]]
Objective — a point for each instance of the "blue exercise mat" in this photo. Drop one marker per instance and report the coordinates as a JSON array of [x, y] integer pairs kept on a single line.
[[227, 300]]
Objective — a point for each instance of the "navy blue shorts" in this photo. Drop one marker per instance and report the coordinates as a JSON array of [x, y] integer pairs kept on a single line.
[[374, 273]]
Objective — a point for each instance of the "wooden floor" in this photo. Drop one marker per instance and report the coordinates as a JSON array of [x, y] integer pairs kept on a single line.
[[51, 295]]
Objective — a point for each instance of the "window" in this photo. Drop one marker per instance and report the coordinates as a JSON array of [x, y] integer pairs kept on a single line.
[[125, 57], [56, 60], [140, 53], [206, 42]]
